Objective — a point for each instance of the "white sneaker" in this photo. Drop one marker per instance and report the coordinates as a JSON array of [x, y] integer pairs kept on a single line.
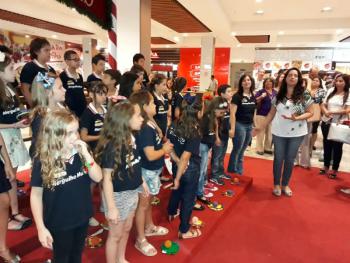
[[207, 194], [93, 222]]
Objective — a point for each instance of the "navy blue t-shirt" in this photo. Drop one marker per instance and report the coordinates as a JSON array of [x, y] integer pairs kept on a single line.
[[148, 136], [208, 135], [92, 77], [124, 178], [93, 122], [75, 98], [176, 103], [9, 114], [69, 204], [182, 144], [30, 70], [162, 107]]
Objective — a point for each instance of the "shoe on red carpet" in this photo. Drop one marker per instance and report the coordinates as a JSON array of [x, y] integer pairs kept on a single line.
[[210, 187], [226, 176], [217, 181], [207, 193], [203, 199], [287, 191], [277, 190]]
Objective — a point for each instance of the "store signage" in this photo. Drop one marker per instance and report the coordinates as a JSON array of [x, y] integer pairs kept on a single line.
[[98, 11]]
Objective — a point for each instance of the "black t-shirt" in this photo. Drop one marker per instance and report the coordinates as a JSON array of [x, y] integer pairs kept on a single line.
[[148, 136], [208, 135], [69, 204], [35, 126], [92, 77], [182, 144], [245, 108], [93, 122], [30, 70], [224, 126], [124, 178], [176, 103], [9, 114], [75, 98], [162, 107]]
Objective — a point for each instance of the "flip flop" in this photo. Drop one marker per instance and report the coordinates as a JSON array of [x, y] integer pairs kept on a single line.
[[194, 233]]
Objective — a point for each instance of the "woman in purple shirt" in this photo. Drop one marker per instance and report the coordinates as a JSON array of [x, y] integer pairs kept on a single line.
[[264, 98]]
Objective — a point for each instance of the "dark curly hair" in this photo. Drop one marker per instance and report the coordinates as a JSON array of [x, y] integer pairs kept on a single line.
[[298, 91]]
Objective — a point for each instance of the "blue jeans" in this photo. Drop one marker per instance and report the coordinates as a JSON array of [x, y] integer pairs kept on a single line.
[[203, 152], [217, 159], [184, 197], [286, 149], [243, 136]]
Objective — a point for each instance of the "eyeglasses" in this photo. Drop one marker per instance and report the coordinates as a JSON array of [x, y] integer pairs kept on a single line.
[[74, 59]]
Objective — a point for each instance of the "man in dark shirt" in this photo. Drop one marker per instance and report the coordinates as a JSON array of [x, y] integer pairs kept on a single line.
[[139, 59], [98, 66]]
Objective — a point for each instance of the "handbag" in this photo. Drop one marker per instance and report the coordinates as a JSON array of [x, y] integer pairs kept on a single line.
[[317, 113], [339, 132]]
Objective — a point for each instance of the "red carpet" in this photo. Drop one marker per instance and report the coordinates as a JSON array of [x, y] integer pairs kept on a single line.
[[312, 226]]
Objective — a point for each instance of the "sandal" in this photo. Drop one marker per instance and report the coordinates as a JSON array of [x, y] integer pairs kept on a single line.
[[287, 191], [277, 190], [203, 199], [9, 257], [156, 231], [145, 248], [155, 201], [193, 233], [198, 207], [22, 219], [332, 176]]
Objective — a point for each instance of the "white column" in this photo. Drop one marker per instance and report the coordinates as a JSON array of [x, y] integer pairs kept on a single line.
[[133, 32], [207, 61], [87, 56]]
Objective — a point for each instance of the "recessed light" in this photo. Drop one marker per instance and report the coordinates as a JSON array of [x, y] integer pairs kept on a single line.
[[339, 31], [167, 46], [258, 1], [279, 45], [176, 39], [259, 12], [27, 36], [233, 33], [185, 34], [281, 33], [326, 9], [239, 45], [54, 36]]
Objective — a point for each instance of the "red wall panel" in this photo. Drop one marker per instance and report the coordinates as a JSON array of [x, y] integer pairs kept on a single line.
[[190, 60]]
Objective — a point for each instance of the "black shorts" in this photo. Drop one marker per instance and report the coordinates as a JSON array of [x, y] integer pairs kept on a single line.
[[5, 185], [315, 127]]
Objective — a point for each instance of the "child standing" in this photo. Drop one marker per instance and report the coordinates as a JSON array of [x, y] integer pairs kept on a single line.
[[10, 129], [61, 177], [122, 180], [98, 66], [220, 146], [210, 132], [185, 135], [48, 95], [6, 175], [152, 153], [73, 83], [111, 78], [92, 119]]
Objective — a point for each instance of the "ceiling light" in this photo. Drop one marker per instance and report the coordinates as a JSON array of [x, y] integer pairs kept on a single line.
[[281, 33], [339, 31], [258, 1], [239, 45], [233, 33], [185, 34], [259, 12], [54, 36], [326, 9], [27, 36], [279, 45], [176, 39], [167, 46]]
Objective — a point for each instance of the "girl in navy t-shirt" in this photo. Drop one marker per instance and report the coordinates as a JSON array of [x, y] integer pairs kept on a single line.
[[185, 135], [152, 152], [210, 135], [122, 181], [61, 177], [48, 95]]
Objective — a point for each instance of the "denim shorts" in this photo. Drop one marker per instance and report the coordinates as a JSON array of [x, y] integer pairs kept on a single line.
[[126, 202], [151, 178]]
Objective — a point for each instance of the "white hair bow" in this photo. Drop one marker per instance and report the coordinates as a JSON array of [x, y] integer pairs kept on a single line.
[[2, 56]]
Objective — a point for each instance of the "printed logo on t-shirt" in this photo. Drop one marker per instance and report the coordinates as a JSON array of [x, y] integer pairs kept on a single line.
[[132, 159], [98, 125], [179, 139], [71, 85], [64, 179], [10, 112]]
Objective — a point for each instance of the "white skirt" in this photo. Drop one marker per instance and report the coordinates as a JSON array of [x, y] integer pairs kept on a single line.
[[15, 147]]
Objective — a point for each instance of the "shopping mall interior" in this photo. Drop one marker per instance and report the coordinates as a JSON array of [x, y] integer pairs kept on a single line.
[[269, 83]]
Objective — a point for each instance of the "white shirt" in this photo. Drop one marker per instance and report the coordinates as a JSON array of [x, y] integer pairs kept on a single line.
[[335, 104], [213, 85]]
